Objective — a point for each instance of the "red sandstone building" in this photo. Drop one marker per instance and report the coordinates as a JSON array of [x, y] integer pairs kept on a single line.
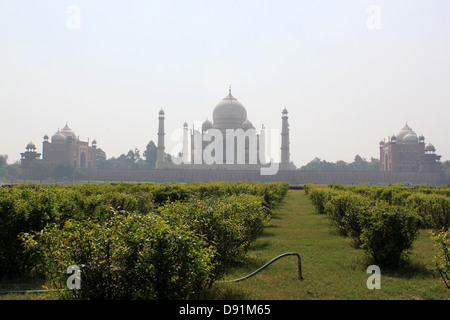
[[29, 155], [406, 152], [65, 146]]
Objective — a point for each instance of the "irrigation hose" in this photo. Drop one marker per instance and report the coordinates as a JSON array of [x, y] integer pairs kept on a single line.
[[235, 280], [269, 263]]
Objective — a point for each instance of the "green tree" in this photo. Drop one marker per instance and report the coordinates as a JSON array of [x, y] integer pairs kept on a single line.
[[40, 169], [3, 160], [13, 170], [150, 154], [100, 154], [62, 170]]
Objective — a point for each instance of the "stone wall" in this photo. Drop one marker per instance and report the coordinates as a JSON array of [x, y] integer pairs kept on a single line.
[[293, 177]]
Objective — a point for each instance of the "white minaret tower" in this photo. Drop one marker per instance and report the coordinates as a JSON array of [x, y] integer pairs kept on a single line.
[[284, 165], [160, 155], [185, 143]]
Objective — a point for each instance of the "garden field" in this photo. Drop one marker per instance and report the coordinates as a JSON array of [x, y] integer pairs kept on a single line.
[[332, 267], [186, 241]]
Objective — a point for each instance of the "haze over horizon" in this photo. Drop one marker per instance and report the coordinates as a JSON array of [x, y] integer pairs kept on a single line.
[[350, 73]]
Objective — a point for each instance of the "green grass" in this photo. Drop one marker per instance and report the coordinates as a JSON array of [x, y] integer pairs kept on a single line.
[[333, 269]]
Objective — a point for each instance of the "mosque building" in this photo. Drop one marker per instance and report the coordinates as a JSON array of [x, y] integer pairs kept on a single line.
[[229, 141], [407, 152], [66, 146]]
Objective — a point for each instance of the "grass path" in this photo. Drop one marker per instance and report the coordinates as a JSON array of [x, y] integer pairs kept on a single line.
[[333, 269]]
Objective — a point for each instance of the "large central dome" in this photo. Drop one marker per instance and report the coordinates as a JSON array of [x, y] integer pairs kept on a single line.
[[229, 113]]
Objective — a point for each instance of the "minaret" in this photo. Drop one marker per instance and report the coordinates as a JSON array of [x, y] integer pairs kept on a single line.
[[160, 155], [285, 141], [185, 151]]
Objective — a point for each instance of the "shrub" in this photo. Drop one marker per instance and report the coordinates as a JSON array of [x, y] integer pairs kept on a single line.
[[319, 195], [442, 257], [21, 210], [129, 256], [344, 210], [228, 224], [29, 208], [433, 208], [387, 233]]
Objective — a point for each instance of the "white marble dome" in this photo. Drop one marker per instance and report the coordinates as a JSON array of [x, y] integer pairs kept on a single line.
[[229, 113], [58, 136]]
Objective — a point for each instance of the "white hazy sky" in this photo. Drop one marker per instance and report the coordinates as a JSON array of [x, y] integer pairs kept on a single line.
[[346, 86]]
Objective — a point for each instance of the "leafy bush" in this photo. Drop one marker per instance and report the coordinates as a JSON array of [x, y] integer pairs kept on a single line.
[[442, 257], [319, 196], [228, 224], [20, 210], [120, 235], [344, 209], [433, 208], [388, 232], [129, 256]]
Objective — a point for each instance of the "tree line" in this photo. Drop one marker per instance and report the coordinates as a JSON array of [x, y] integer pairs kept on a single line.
[[358, 164], [134, 159]]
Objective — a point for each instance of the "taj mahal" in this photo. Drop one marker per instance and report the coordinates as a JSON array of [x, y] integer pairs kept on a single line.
[[229, 142]]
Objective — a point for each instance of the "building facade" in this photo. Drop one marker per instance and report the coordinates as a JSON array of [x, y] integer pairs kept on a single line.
[[230, 141], [407, 152], [66, 146]]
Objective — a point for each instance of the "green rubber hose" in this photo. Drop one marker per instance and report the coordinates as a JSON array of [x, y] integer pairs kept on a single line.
[[269, 263]]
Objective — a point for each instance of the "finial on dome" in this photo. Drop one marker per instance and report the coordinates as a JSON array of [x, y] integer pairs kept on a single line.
[[229, 89]]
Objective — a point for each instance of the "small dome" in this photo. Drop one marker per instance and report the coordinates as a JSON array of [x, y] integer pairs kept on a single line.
[[430, 147], [206, 125], [247, 125], [58, 136], [31, 146], [410, 137], [229, 113], [381, 143], [46, 137]]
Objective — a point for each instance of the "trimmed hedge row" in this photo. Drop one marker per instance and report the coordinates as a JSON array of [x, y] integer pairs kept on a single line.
[[129, 256], [383, 221], [163, 233]]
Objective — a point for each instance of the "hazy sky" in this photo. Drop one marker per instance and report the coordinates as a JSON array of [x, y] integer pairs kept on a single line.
[[350, 73]]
